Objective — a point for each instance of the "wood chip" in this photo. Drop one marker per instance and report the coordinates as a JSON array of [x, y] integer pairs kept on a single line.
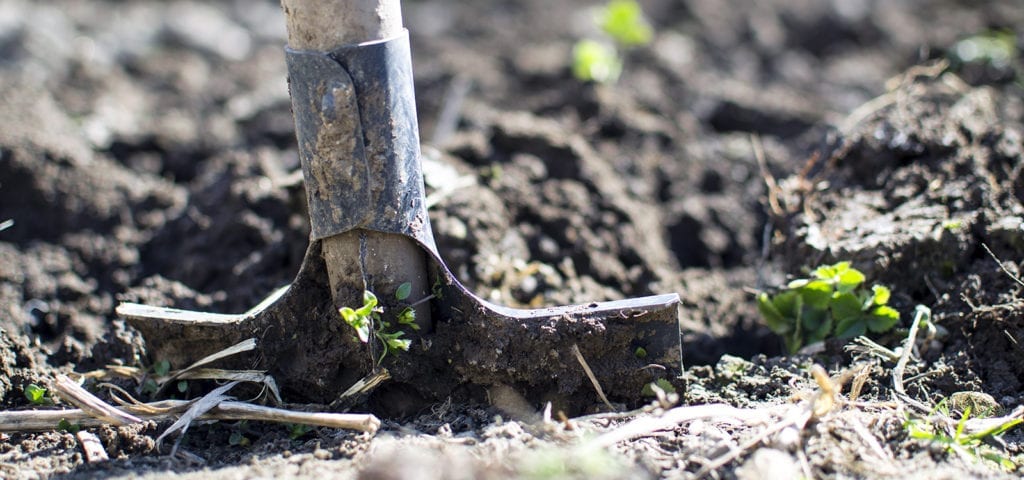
[[91, 445]]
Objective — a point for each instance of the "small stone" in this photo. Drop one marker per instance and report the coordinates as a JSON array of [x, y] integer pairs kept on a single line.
[[769, 464], [321, 454]]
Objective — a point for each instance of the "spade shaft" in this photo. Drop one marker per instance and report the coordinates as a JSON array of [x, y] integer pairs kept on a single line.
[[358, 259]]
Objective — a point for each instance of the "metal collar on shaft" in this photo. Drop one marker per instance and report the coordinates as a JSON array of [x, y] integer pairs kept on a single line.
[[355, 116]]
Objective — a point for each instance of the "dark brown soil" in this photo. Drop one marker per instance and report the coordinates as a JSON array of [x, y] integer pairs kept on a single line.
[[147, 154]]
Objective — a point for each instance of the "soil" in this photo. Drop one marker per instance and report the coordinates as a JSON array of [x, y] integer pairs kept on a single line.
[[147, 154]]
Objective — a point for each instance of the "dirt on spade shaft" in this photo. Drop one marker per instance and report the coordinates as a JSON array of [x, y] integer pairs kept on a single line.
[[147, 154]]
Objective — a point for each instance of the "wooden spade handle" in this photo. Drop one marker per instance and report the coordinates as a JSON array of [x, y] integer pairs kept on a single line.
[[360, 259], [327, 24]]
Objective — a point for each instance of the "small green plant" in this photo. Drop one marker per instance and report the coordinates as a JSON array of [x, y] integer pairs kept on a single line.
[[65, 426], [661, 383], [238, 439], [366, 321], [36, 395], [595, 61], [832, 303], [623, 22], [159, 369], [970, 445], [297, 430]]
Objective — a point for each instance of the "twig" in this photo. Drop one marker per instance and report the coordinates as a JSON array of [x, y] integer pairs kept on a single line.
[[794, 421], [676, 416], [47, 420], [922, 312], [243, 346], [769, 179], [78, 396], [1003, 267], [590, 375], [362, 388], [91, 445]]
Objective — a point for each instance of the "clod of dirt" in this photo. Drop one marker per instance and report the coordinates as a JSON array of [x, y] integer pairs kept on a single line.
[[925, 177]]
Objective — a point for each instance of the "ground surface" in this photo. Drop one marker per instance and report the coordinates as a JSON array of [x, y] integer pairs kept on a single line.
[[147, 153]]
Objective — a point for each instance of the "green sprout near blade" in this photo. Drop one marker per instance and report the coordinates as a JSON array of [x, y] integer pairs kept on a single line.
[[366, 321], [832, 303]]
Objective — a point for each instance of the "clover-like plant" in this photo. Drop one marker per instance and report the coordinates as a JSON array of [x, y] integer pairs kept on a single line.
[[832, 303]]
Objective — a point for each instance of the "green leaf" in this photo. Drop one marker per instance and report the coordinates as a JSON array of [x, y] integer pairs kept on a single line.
[[35, 394], [812, 319], [358, 322], [788, 304], [402, 344], [830, 272], [882, 319], [882, 294], [846, 306], [237, 439], [403, 292], [772, 317], [850, 328], [595, 61], [640, 352], [624, 21], [822, 329], [795, 284], [816, 294], [369, 303], [848, 280], [162, 368], [408, 317], [182, 386], [794, 341], [66, 426]]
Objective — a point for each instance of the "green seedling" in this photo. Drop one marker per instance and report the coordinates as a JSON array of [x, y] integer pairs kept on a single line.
[[297, 430], [65, 426], [661, 383], [36, 395], [968, 445], [832, 303], [594, 61], [366, 321], [159, 369], [238, 439], [623, 22]]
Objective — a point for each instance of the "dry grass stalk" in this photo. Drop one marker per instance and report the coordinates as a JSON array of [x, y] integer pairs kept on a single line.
[[47, 420], [76, 395], [197, 409], [590, 375]]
